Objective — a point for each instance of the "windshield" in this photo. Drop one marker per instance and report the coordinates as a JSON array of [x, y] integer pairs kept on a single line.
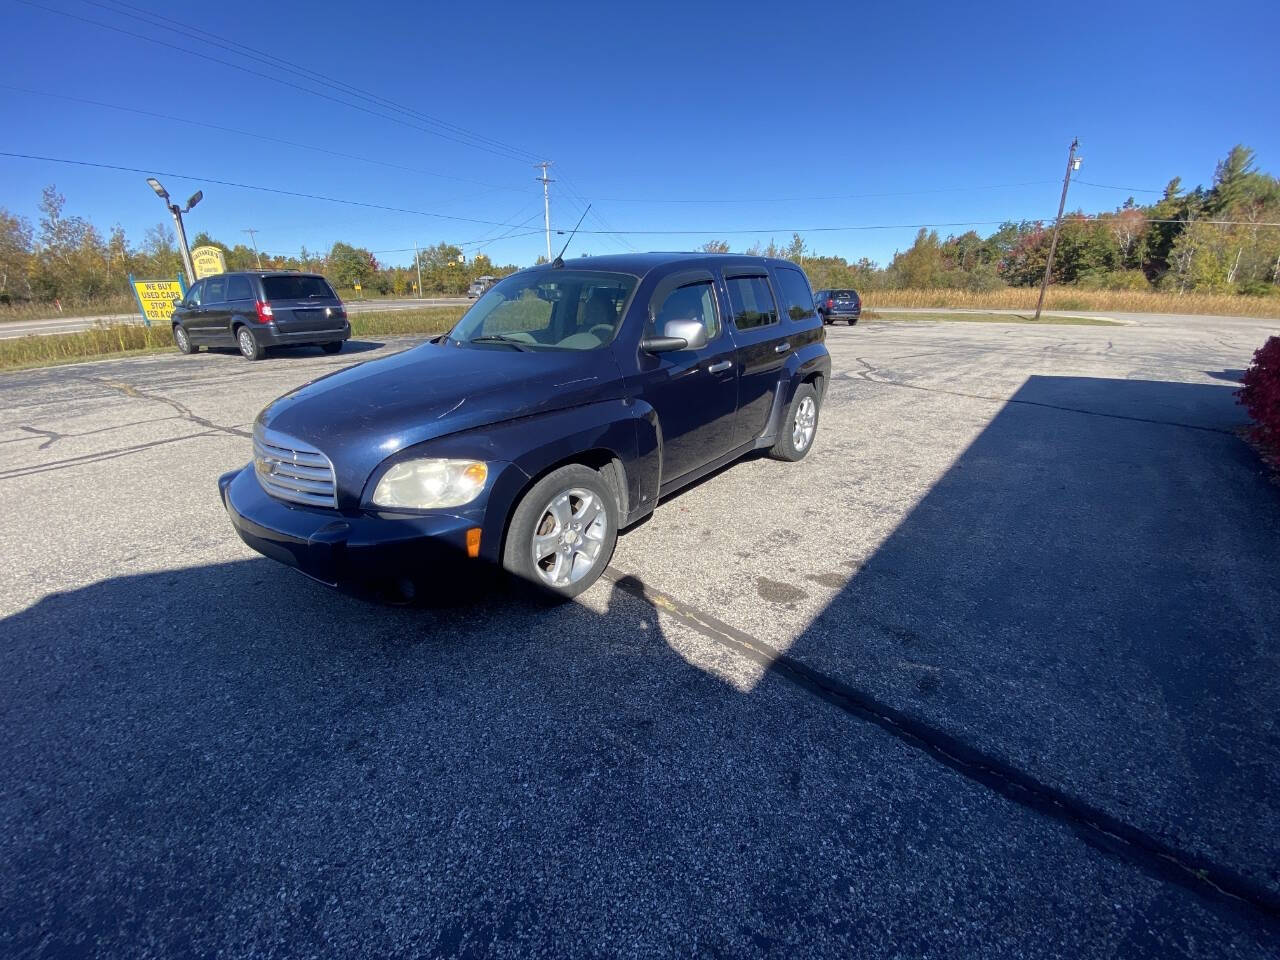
[[548, 310]]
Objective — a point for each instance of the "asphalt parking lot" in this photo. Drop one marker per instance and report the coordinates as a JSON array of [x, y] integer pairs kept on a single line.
[[994, 672]]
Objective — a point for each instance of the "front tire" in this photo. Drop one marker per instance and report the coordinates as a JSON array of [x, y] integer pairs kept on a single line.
[[800, 426], [249, 346], [563, 532], [183, 340]]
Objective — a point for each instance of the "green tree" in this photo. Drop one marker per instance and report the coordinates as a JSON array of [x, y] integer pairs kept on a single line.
[[347, 265], [15, 256]]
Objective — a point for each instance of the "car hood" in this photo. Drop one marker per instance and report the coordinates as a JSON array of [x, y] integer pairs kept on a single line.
[[361, 415]]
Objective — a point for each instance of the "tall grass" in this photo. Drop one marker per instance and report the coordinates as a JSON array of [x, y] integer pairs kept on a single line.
[[36, 310], [99, 341], [1107, 301], [122, 338]]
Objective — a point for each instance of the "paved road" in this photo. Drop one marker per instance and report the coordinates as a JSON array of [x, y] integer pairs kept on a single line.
[[994, 672], [24, 328]]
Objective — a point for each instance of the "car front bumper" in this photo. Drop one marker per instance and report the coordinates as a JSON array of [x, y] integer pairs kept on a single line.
[[349, 550]]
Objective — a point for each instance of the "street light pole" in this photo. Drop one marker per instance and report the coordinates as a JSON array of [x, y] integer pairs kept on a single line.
[[1072, 163], [177, 213]]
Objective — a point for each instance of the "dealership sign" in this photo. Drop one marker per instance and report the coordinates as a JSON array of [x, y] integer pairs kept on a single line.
[[155, 298], [208, 261]]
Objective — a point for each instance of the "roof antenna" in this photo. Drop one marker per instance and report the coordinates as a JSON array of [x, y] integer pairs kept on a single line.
[[558, 262]]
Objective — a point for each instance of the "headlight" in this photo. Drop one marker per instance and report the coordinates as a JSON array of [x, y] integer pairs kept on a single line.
[[426, 484]]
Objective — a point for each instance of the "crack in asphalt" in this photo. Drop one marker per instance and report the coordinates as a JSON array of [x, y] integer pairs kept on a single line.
[[871, 375], [1092, 824], [50, 436], [129, 390], [99, 457]]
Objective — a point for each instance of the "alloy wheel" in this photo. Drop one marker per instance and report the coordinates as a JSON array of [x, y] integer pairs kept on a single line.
[[806, 422], [568, 537]]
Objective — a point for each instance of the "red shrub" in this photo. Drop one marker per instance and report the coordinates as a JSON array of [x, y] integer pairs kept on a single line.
[[1261, 397]]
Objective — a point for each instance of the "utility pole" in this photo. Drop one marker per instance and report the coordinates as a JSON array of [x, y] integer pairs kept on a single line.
[[253, 238], [177, 213], [1073, 163], [418, 261], [546, 203]]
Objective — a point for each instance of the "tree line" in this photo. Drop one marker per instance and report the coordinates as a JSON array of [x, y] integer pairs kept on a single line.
[[1179, 243], [1220, 239], [67, 259]]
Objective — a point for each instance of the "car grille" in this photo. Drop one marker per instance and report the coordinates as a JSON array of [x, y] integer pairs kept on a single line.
[[291, 470]]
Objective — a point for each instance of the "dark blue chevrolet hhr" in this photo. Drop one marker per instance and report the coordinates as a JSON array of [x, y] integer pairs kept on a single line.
[[567, 401]]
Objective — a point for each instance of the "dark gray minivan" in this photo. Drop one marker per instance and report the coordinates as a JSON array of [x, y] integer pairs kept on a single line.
[[254, 311]]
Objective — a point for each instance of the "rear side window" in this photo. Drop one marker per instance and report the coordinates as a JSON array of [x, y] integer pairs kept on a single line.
[[752, 302], [215, 290], [297, 288], [793, 288], [238, 288]]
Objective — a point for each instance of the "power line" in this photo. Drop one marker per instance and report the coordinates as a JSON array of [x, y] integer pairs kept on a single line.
[[706, 231], [258, 136], [236, 46], [275, 79], [1108, 186], [250, 186], [837, 196]]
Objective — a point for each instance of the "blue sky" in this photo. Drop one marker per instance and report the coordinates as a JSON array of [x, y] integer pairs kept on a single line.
[[905, 113]]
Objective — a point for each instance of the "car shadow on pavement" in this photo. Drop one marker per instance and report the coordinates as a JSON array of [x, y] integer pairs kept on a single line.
[[1084, 608], [229, 758]]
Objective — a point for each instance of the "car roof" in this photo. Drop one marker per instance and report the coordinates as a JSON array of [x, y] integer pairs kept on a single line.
[[642, 263]]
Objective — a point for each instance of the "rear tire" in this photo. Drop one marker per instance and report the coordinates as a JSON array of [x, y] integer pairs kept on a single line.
[[249, 346], [335, 347], [853, 321], [183, 340], [799, 427], [562, 534]]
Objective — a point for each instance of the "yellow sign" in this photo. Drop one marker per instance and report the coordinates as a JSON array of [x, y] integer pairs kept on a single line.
[[156, 298], [208, 261]]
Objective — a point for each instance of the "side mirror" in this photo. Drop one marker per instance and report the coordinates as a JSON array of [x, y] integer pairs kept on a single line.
[[691, 331], [663, 344], [176, 303]]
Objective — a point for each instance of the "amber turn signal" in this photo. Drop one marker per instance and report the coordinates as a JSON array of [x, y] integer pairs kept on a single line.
[[473, 542]]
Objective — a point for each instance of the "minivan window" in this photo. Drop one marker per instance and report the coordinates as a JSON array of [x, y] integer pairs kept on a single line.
[[297, 288], [215, 290], [238, 288], [195, 295], [558, 310], [797, 301], [694, 301], [752, 302]]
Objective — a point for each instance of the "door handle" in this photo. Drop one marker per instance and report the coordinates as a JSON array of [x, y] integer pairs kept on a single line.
[[783, 347], [720, 367]]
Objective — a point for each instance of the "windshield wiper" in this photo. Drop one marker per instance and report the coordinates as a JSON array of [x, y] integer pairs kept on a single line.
[[499, 338]]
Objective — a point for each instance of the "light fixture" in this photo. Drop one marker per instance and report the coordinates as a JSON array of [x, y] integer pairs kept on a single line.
[[154, 184]]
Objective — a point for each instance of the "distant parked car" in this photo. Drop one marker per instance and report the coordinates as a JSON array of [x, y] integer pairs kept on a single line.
[[479, 285], [253, 311], [838, 305], [562, 407]]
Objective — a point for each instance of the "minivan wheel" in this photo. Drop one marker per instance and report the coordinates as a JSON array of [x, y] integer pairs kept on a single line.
[[334, 347], [249, 346], [800, 426], [563, 533], [183, 341]]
